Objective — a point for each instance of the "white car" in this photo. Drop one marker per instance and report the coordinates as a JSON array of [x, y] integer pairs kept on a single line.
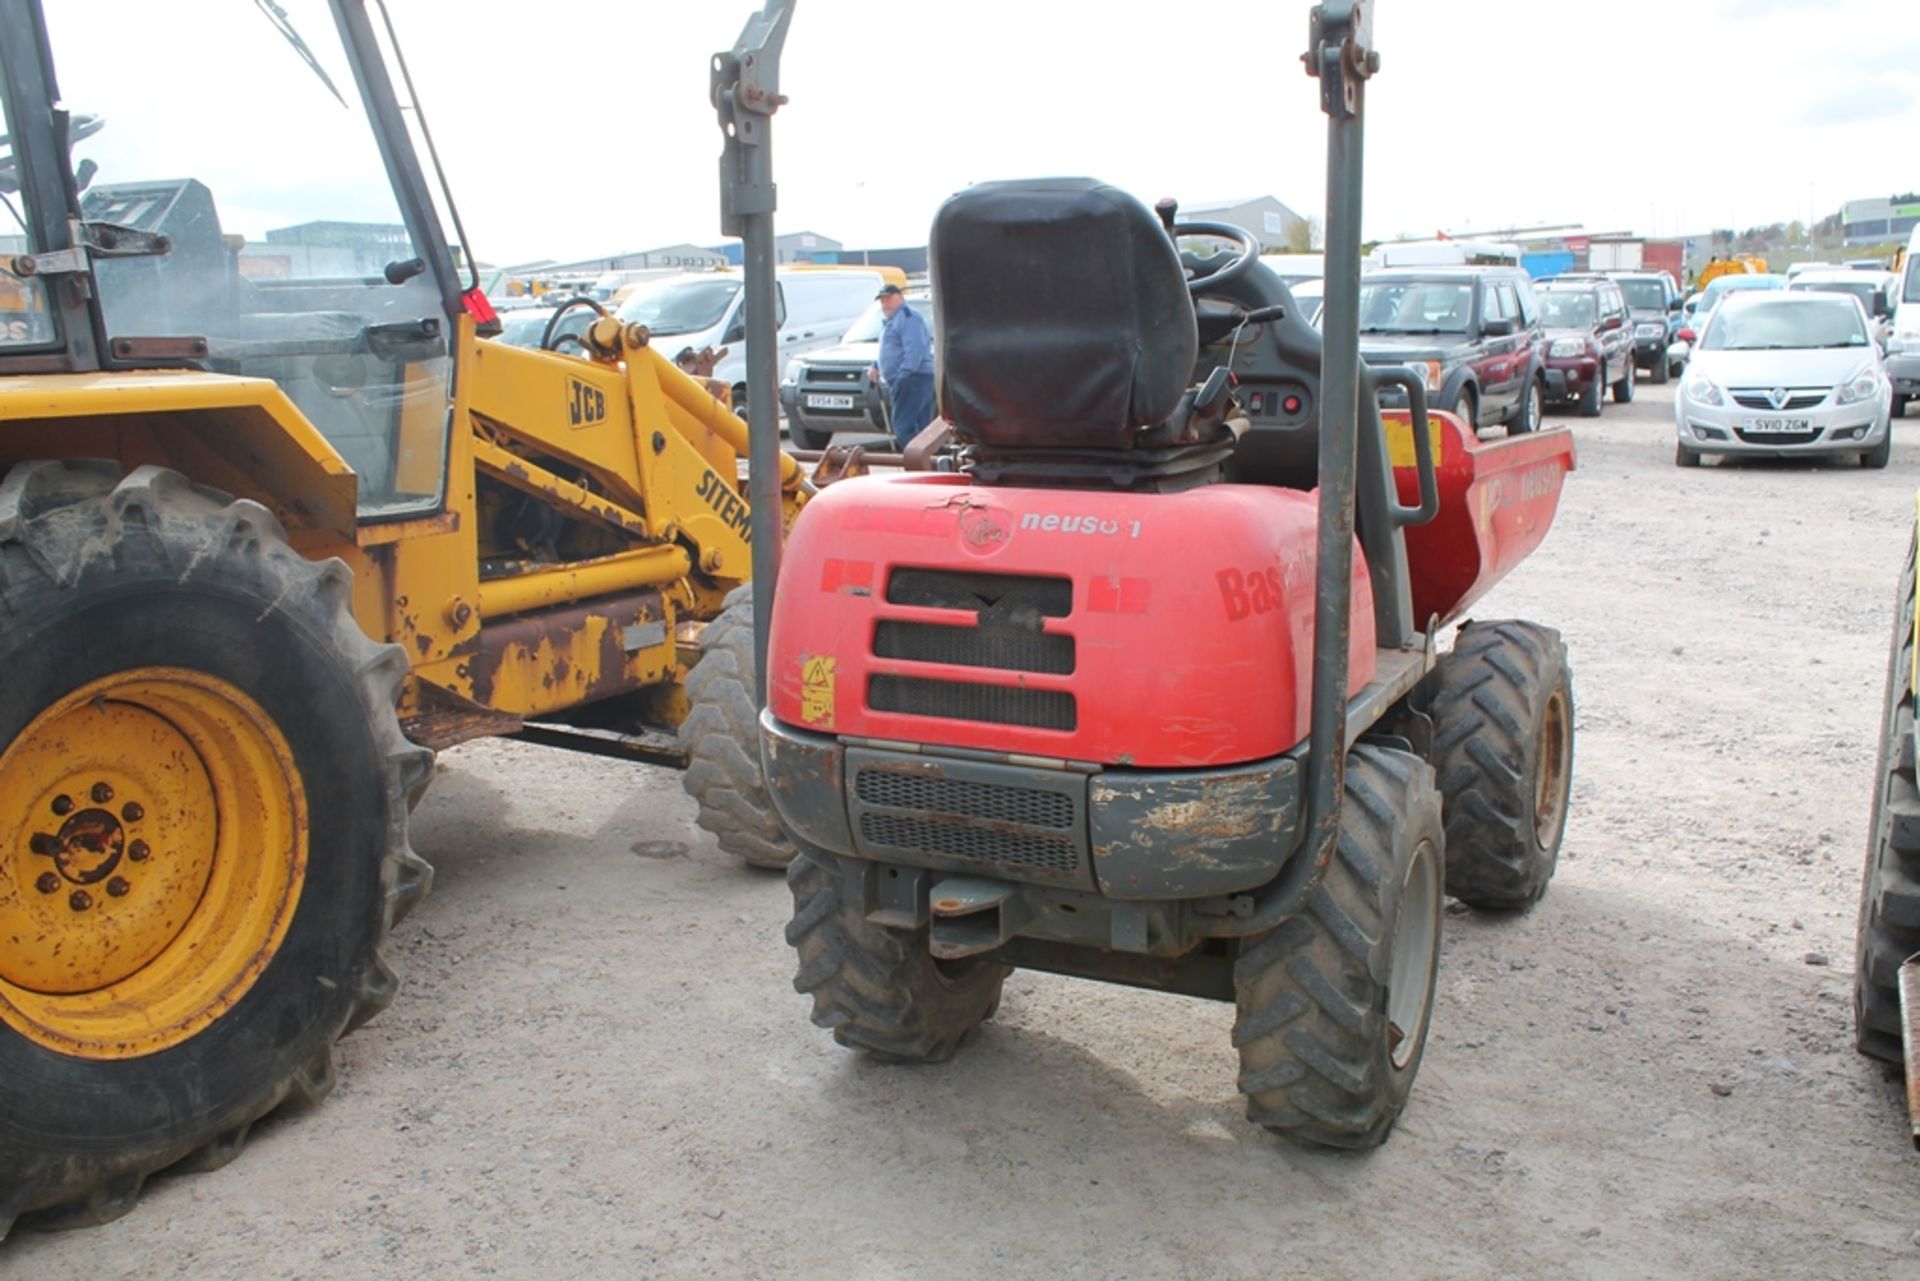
[[1776, 374], [1876, 291]]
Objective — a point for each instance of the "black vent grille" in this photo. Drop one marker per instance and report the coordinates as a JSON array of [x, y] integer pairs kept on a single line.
[[830, 374], [1015, 649], [1777, 437], [1027, 806], [992, 596], [971, 701], [981, 844], [1795, 400]]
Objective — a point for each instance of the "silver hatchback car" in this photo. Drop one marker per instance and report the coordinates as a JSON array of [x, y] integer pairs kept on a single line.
[[1778, 374]]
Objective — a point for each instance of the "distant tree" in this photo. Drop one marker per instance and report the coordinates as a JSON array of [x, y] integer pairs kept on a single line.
[[1300, 237], [1796, 232]]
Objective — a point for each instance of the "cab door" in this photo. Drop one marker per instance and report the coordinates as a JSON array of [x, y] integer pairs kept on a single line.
[[1500, 365], [1616, 335], [45, 323]]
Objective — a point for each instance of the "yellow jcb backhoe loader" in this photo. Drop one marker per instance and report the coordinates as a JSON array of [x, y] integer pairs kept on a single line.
[[277, 523]]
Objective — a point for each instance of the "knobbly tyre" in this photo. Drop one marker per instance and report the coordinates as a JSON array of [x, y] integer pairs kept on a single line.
[[1147, 691], [1886, 971], [269, 537]]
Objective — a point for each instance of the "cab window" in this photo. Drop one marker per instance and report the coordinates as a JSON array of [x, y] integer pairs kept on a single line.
[[289, 255], [25, 319]]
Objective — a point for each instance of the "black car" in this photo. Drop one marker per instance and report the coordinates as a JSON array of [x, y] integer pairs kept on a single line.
[[1474, 332], [1653, 303]]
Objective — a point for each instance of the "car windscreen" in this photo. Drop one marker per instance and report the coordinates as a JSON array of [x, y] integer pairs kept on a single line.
[[1566, 310], [1910, 290], [1784, 326], [1861, 289], [681, 306], [873, 320], [1415, 307], [1644, 295], [524, 327]]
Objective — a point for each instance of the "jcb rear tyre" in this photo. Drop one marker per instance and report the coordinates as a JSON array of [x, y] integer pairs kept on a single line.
[[1502, 709], [878, 989], [154, 631], [721, 736], [1333, 1005], [1889, 924]]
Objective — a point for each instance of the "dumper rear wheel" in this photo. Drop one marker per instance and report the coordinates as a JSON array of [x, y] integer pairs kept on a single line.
[[721, 736], [876, 988], [1889, 924], [1502, 709], [1333, 1005], [203, 830]]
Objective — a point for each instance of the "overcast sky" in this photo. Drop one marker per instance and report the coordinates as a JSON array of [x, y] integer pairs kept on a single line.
[[572, 130]]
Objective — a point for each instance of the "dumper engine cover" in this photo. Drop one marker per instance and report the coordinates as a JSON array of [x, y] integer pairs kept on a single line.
[[1148, 630]]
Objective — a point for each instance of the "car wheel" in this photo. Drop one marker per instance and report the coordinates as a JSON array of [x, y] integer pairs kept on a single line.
[[1661, 370], [1684, 457], [1900, 406], [1532, 409], [1467, 408], [1596, 390], [804, 437], [1623, 390], [1881, 454]]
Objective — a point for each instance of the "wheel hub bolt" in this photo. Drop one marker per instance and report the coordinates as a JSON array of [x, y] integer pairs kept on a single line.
[[79, 900], [133, 811], [63, 804], [138, 851], [47, 883], [102, 793], [118, 886]]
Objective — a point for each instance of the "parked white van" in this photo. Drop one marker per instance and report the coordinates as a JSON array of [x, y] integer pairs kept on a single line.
[[1903, 347], [812, 308]]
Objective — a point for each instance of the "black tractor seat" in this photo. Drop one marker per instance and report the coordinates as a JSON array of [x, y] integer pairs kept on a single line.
[[1067, 340]]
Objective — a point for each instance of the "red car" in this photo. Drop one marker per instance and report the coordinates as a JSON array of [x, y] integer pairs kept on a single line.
[[1589, 342]]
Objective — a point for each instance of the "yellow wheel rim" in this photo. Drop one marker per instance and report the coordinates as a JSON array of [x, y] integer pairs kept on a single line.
[[153, 844]]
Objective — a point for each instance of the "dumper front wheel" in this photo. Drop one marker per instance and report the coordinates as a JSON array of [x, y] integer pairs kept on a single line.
[[203, 830], [878, 988], [1333, 1004], [1889, 925], [721, 737]]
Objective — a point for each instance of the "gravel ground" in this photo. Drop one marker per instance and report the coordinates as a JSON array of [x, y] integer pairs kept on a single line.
[[598, 1067]]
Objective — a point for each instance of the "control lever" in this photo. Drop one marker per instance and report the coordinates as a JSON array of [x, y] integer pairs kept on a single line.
[[1167, 207], [1212, 390]]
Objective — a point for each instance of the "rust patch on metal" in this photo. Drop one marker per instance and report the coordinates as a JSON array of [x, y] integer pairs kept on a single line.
[[551, 649], [443, 719]]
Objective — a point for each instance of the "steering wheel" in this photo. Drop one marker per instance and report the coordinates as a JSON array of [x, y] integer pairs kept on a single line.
[[1241, 263], [80, 127]]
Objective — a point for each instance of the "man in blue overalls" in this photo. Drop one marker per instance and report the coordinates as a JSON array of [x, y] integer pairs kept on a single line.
[[906, 363]]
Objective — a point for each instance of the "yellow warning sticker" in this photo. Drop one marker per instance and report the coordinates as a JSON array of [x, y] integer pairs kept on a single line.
[[816, 690]]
